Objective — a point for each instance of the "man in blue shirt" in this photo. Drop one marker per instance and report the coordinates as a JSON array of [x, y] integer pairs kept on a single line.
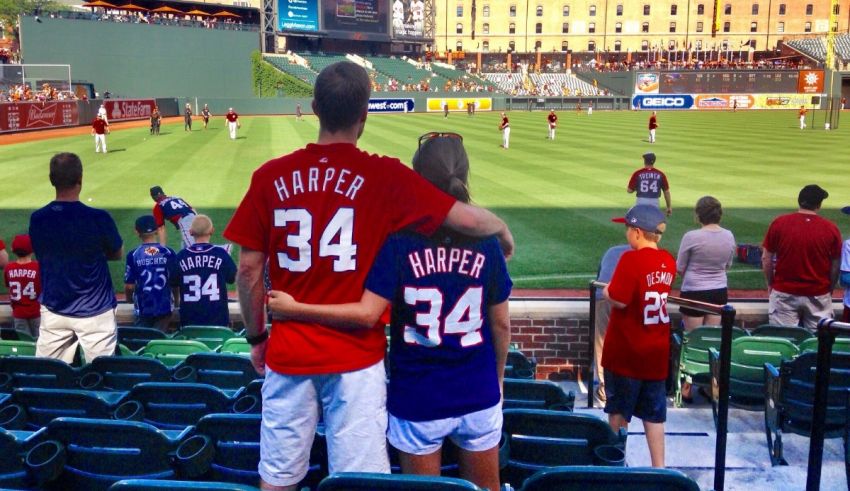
[[146, 277], [603, 312], [73, 243], [202, 271]]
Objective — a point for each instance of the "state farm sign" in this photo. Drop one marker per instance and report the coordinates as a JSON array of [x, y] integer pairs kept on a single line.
[[24, 116], [128, 109]]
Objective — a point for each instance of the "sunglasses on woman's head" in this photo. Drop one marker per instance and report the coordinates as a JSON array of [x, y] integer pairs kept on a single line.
[[437, 134]]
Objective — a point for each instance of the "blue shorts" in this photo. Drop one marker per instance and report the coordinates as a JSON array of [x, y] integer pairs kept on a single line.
[[646, 399]]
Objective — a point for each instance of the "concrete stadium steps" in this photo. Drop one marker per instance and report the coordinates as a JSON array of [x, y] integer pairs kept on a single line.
[[298, 71]]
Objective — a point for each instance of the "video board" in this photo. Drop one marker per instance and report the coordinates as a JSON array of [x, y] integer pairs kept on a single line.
[[703, 82], [356, 19], [408, 19], [298, 15]]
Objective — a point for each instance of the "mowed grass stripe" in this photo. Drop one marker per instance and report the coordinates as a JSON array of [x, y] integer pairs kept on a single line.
[[557, 196]]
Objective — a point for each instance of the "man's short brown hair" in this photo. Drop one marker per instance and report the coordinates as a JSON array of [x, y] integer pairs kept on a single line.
[[341, 95], [66, 171]]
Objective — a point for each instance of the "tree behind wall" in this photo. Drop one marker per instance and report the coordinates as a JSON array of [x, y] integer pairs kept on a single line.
[[271, 82]]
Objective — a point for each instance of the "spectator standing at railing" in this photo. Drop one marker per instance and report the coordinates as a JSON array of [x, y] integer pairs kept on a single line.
[[23, 280], [800, 260]]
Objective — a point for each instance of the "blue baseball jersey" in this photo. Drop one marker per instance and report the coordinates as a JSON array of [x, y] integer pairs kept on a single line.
[[148, 269], [72, 242], [442, 360], [202, 271], [172, 209]]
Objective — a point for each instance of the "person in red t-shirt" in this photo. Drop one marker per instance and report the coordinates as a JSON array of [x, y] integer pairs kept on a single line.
[[232, 122], [4, 256], [800, 260], [23, 280], [99, 129], [321, 215], [636, 352], [552, 118], [653, 124]]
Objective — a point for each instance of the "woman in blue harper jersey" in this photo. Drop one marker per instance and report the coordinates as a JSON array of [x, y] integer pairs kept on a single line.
[[450, 330]]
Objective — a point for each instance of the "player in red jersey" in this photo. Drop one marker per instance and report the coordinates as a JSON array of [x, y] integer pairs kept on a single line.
[[321, 215], [505, 128], [232, 122], [552, 118], [637, 341], [23, 280], [99, 129], [802, 114], [653, 124], [649, 183]]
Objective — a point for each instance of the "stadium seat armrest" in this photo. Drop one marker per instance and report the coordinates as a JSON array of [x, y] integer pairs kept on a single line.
[[772, 397]]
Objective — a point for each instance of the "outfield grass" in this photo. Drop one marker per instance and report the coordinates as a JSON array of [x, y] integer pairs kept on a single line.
[[557, 196]]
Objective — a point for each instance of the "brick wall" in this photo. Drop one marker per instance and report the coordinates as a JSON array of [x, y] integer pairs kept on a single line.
[[559, 345]]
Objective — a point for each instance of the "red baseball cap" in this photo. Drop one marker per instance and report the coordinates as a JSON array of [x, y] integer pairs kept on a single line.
[[22, 245]]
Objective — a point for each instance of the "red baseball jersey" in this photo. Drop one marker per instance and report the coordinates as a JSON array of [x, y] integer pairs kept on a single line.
[[648, 183], [505, 123], [231, 117], [24, 284], [653, 122], [637, 342], [553, 118], [805, 246], [802, 111], [99, 126], [321, 215]]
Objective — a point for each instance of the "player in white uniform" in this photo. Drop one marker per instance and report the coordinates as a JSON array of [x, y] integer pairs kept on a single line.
[[101, 111], [417, 11], [398, 16]]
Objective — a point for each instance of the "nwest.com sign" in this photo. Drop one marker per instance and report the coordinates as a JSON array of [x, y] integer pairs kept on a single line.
[[663, 101]]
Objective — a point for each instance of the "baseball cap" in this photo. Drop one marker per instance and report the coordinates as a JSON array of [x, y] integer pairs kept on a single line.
[[644, 217], [22, 245], [649, 158], [156, 191], [146, 224], [846, 210]]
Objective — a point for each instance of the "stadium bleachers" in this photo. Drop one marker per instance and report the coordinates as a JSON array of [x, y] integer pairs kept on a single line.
[[815, 47], [300, 72], [561, 84], [506, 82], [319, 61], [401, 71]]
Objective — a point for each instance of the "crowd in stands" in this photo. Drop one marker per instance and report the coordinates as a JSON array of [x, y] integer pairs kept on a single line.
[[25, 93], [8, 56], [156, 18], [694, 64]]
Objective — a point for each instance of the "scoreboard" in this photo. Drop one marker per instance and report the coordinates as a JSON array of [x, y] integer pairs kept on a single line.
[[744, 82], [359, 20]]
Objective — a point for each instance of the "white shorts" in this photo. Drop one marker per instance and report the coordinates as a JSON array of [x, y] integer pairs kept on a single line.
[[475, 432], [59, 336], [355, 416], [184, 225]]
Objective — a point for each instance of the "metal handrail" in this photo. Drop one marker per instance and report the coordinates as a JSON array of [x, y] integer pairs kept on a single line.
[[727, 321]]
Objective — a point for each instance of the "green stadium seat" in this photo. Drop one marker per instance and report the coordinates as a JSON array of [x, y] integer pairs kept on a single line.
[[795, 334], [536, 440], [122, 373], [536, 394], [212, 336], [15, 335], [17, 348], [236, 346], [357, 481], [174, 406], [45, 373], [13, 473], [137, 338], [155, 485], [841, 345], [693, 365], [172, 352], [41, 406], [584, 478], [519, 366], [225, 371], [746, 373]]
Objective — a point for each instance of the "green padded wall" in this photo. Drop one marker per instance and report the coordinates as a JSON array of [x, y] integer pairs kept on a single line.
[[140, 60]]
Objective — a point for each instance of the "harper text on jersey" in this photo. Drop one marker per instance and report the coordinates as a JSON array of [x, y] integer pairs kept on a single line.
[[340, 182], [200, 261], [445, 260], [21, 273]]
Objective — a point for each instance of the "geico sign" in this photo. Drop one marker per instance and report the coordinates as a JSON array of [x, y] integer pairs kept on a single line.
[[663, 102]]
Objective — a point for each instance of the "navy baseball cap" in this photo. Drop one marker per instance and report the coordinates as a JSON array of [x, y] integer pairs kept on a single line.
[[644, 217], [846, 210], [649, 158], [146, 224], [156, 191]]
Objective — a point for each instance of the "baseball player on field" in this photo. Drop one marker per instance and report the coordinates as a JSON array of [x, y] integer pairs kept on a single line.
[[505, 128], [99, 129], [205, 113], [552, 118], [176, 211], [232, 122], [649, 183]]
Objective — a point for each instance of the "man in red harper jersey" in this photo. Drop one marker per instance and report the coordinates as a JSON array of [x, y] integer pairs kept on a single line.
[[23, 280], [636, 352], [321, 214], [552, 118]]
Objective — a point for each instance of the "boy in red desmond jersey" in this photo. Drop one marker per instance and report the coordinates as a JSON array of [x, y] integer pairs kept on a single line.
[[637, 342], [23, 280]]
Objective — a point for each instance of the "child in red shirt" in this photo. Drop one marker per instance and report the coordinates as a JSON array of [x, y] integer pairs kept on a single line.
[[23, 279], [637, 341]]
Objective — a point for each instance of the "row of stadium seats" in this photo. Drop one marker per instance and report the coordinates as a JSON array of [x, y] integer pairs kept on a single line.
[[557, 82], [298, 71], [816, 47], [74, 453]]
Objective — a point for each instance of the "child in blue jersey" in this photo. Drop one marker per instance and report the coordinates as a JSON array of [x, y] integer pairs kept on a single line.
[[450, 330], [202, 272], [146, 277]]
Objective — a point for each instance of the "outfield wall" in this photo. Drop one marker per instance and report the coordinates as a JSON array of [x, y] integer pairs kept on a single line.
[[143, 61]]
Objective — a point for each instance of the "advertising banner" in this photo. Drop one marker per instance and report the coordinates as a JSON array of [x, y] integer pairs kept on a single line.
[[782, 101], [457, 104], [647, 83], [128, 109], [658, 102], [38, 116], [298, 15], [810, 82], [391, 105], [708, 102], [724, 101], [408, 19]]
